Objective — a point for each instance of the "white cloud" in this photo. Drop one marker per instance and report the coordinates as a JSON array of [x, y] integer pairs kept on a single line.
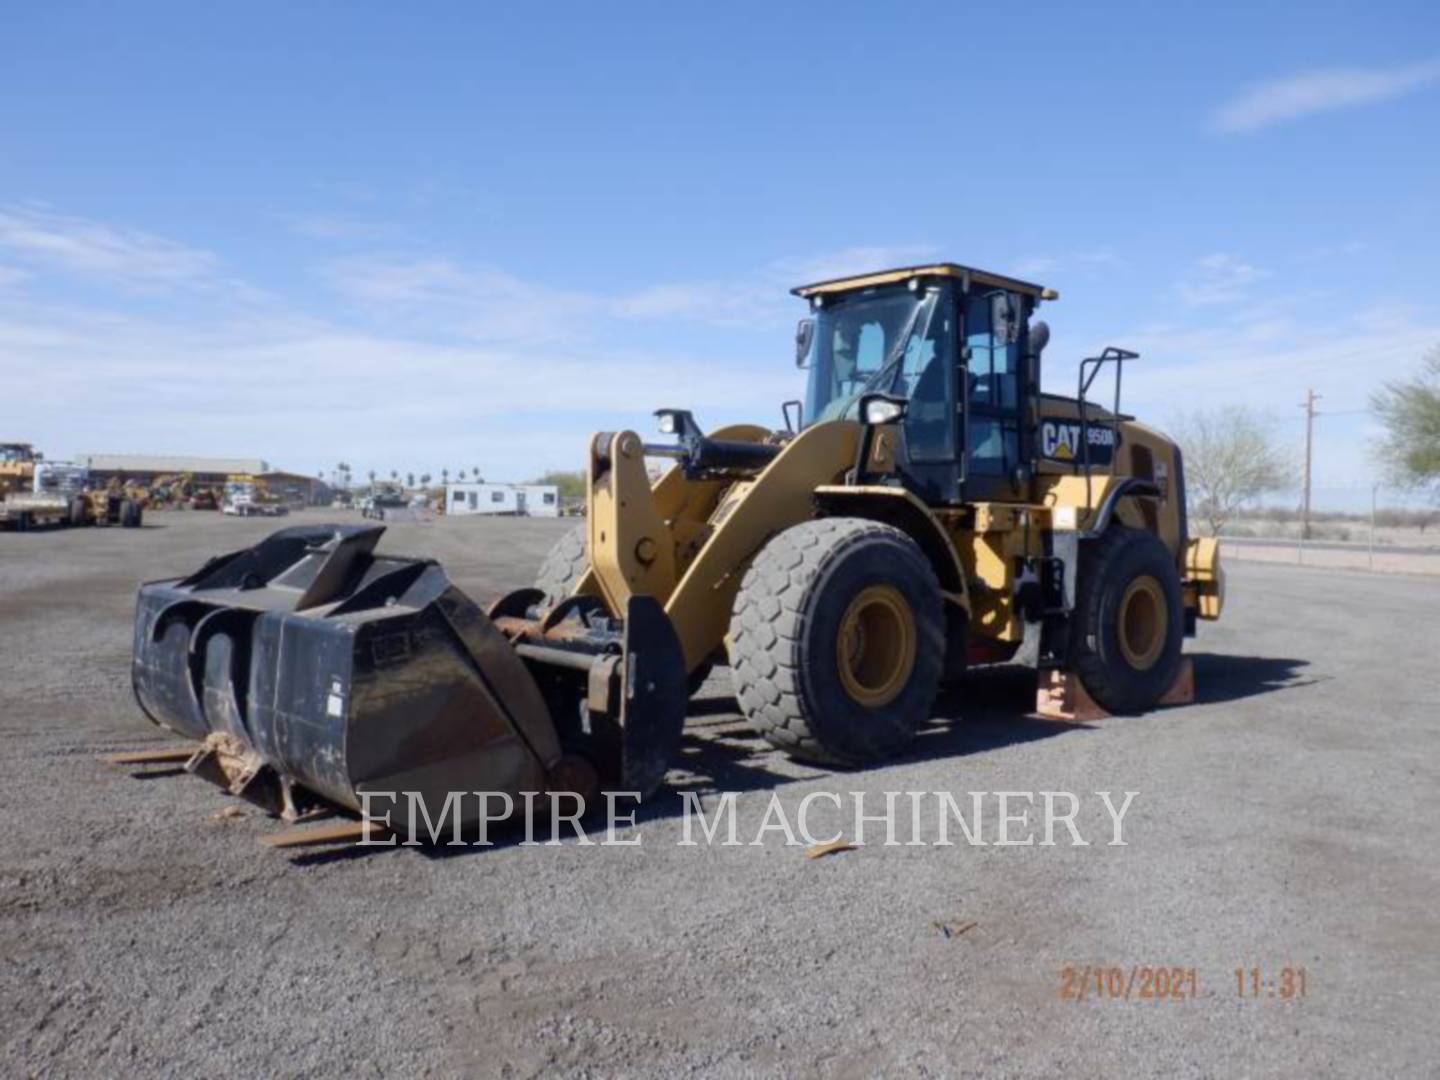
[[1218, 358], [1219, 279], [423, 354], [689, 300], [847, 261], [484, 303], [301, 391], [93, 248], [1281, 100], [761, 300], [1037, 266], [1074, 262], [328, 227], [439, 298], [1332, 252]]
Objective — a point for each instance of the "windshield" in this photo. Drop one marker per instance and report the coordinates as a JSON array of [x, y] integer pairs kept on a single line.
[[876, 341]]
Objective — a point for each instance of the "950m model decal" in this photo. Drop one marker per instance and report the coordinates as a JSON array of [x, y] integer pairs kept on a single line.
[[1062, 440]]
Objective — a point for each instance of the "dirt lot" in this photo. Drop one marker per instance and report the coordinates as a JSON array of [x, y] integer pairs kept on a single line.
[[1288, 818]]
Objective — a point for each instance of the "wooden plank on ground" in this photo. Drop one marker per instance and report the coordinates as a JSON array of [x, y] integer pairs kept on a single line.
[[152, 757], [334, 832]]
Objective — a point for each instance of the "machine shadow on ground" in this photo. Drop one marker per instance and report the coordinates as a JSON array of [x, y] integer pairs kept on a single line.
[[1220, 677]]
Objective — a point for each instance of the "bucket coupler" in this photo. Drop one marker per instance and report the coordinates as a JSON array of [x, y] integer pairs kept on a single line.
[[312, 669], [616, 688]]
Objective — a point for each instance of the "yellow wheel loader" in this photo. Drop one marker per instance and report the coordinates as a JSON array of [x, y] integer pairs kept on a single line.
[[118, 503], [926, 507]]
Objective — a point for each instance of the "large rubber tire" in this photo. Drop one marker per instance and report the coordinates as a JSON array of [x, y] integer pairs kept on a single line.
[[79, 515], [564, 566], [785, 633], [1122, 562]]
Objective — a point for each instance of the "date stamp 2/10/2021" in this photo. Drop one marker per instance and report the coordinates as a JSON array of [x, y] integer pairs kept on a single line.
[[1167, 982]]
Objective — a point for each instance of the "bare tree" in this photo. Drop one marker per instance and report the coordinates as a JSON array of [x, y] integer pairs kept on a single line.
[[1410, 411], [1231, 458]]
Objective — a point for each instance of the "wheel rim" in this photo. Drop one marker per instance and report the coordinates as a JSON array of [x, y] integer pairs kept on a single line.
[[876, 646], [1141, 622]]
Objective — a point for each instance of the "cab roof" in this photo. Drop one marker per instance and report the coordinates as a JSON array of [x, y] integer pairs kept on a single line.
[[955, 270]]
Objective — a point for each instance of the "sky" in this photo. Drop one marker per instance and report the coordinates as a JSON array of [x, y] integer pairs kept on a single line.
[[415, 236]]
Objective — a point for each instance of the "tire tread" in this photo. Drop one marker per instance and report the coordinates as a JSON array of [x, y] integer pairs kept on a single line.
[[769, 621]]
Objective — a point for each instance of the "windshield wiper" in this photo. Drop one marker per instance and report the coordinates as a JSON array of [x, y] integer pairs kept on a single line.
[[897, 354]]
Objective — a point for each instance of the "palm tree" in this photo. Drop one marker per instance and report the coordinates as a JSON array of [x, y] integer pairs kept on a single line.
[[410, 479], [461, 476], [444, 476], [475, 471]]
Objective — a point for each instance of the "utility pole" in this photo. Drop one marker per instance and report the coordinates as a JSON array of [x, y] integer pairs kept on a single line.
[[1374, 494], [1310, 398]]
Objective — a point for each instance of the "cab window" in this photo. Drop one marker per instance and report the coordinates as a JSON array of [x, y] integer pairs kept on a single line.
[[993, 439]]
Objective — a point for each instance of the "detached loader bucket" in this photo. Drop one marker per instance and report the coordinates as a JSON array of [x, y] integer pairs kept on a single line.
[[310, 667]]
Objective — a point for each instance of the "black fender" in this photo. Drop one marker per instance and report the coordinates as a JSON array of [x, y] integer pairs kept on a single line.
[[902, 509]]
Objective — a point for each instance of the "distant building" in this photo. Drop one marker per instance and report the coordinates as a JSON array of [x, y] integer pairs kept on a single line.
[[520, 500], [144, 469]]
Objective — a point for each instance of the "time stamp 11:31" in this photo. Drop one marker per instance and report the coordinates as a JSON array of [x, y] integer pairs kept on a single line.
[[1163, 982]]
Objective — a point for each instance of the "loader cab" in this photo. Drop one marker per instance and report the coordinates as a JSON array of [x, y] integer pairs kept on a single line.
[[953, 345], [16, 453]]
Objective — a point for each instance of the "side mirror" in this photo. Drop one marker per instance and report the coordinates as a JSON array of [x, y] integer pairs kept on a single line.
[[1002, 318], [804, 335]]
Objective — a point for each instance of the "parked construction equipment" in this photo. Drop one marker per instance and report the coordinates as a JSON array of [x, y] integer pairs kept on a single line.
[[179, 491], [250, 496], [926, 508], [23, 505], [35, 493]]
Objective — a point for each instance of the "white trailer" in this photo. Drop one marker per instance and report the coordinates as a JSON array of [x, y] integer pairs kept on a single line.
[[516, 500]]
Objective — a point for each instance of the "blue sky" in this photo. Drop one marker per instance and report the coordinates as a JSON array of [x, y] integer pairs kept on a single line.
[[413, 236]]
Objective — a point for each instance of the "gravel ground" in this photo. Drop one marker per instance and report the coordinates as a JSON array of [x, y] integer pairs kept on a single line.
[[1332, 556], [1287, 818]]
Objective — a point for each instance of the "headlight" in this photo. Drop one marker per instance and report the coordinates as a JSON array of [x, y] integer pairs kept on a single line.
[[666, 422], [883, 411]]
